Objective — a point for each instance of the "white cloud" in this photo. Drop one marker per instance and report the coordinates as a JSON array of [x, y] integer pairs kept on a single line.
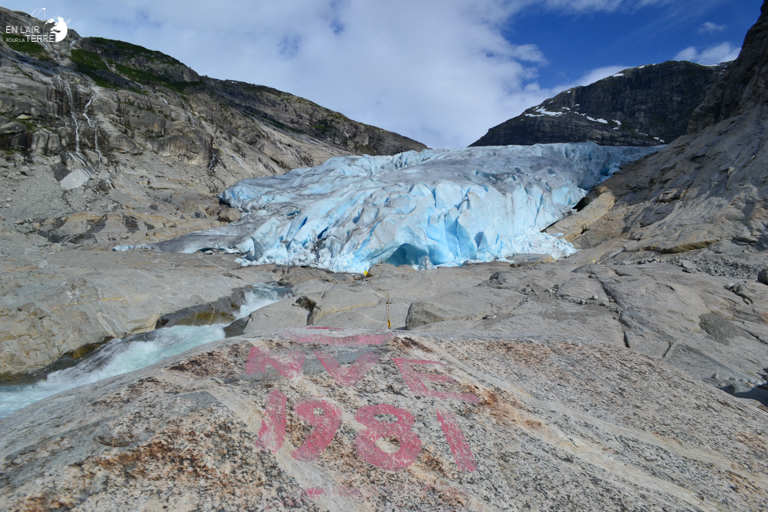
[[585, 5], [690, 54], [439, 71], [579, 6], [723, 52], [598, 74], [708, 28]]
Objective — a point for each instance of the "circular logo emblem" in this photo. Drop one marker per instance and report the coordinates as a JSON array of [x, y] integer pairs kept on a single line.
[[59, 29]]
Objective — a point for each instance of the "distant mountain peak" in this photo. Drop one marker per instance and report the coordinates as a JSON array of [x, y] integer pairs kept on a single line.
[[643, 106]]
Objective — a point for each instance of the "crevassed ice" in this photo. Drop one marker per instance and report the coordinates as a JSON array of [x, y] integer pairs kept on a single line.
[[436, 207]]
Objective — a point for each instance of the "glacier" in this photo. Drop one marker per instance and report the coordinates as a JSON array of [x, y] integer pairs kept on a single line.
[[431, 208]]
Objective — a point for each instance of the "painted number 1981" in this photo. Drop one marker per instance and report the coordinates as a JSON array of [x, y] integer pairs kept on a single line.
[[326, 418]]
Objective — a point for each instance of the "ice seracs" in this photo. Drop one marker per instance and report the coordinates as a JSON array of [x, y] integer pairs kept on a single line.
[[436, 207]]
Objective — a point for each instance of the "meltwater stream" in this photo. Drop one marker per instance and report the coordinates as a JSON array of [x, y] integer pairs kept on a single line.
[[120, 356]]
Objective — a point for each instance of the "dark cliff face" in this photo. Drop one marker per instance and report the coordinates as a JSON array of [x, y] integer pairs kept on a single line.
[[744, 86], [707, 188], [643, 106]]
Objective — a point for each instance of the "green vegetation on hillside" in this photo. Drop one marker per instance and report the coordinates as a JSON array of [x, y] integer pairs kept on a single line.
[[17, 42], [89, 64], [100, 69], [122, 50]]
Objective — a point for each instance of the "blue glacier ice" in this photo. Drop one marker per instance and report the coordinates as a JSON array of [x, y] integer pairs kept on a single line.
[[436, 207]]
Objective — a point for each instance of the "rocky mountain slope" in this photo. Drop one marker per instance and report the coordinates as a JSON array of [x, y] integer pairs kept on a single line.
[[95, 125], [743, 88], [706, 189], [643, 106]]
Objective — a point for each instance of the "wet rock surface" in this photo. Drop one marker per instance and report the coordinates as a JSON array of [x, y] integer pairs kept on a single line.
[[318, 419]]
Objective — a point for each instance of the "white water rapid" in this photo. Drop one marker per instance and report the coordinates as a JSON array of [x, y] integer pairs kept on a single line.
[[120, 356]]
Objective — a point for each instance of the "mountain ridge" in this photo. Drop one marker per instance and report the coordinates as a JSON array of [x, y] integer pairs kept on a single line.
[[705, 189], [138, 99], [642, 106]]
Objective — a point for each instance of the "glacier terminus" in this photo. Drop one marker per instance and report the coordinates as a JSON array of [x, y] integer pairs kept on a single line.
[[428, 208]]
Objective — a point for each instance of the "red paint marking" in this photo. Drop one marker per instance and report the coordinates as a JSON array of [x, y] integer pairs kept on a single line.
[[347, 341], [288, 366], [350, 375], [313, 492], [462, 453], [365, 443], [272, 431], [326, 328], [416, 381], [326, 425]]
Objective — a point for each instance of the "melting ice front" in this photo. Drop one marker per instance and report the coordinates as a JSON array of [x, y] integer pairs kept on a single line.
[[431, 208]]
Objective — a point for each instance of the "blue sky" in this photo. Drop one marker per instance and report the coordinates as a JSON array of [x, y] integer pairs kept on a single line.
[[439, 71], [633, 35]]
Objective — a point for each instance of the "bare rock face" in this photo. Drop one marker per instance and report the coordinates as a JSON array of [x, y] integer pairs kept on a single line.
[[229, 215], [60, 304], [706, 188], [744, 87], [317, 419], [643, 106], [468, 304], [703, 323]]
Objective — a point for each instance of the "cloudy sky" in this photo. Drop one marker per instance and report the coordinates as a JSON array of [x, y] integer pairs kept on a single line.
[[439, 71]]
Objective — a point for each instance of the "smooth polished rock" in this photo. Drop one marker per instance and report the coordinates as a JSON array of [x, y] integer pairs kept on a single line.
[[349, 419]]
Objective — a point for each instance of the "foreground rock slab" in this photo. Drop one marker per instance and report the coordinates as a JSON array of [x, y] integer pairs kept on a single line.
[[342, 419]]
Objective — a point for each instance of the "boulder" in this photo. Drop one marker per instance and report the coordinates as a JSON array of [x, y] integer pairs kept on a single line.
[[582, 288], [75, 179], [280, 315], [229, 215], [470, 304]]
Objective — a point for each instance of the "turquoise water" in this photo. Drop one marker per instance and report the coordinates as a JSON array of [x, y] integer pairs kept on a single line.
[[120, 356]]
